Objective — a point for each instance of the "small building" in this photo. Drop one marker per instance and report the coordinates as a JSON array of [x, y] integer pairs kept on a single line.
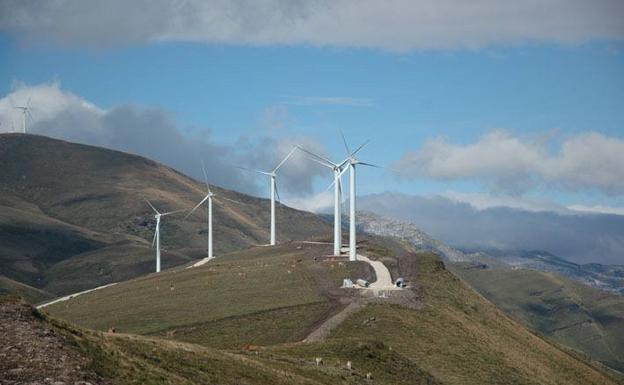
[[347, 283]]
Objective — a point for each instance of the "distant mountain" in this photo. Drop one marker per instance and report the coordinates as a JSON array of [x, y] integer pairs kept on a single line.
[[378, 225], [74, 216], [605, 277], [579, 237]]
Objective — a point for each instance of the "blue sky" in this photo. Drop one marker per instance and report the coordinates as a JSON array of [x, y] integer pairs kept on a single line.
[[397, 98]]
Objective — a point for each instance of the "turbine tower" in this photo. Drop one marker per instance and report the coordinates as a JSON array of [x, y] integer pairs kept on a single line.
[[273, 180], [208, 198], [25, 111], [156, 239], [352, 195], [338, 169]]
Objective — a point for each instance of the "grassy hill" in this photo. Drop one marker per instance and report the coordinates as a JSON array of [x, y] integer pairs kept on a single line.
[[439, 331], [58, 351], [29, 293], [565, 311], [74, 216]]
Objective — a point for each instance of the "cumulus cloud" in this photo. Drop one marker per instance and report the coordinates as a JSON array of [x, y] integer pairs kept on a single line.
[[151, 132], [512, 164], [391, 24]]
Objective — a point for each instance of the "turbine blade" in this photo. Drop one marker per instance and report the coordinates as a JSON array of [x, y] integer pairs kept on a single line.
[[277, 193], [344, 140], [362, 146], [322, 163], [343, 163], [197, 206], [343, 171], [252, 170], [30, 115], [205, 176], [171, 212], [28, 102], [285, 159], [318, 157], [154, 240], [152, 206], [370, 165]]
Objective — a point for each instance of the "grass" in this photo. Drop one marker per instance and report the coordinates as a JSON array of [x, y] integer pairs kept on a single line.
[[62, 201], [460, 338], [259, 328], [228, 287], [132, 359], [29, 293], [567, 312], [454, 337]]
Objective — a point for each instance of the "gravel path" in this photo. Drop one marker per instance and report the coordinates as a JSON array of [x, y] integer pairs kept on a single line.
[[383, 282], [41, 306], [384, 279], [322, 332]]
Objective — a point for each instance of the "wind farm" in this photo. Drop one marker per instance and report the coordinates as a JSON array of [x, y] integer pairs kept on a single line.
[[311, 193], [290, 294]]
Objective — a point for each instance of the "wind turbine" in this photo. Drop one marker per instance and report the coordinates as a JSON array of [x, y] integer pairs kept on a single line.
[[352, 163], [25, 111], [338, 169], [208, 198], [156, 240], [273, 176]]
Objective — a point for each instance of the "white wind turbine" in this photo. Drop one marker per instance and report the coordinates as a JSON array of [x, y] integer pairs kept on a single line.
[[352, 163], [273, 179], [25, 111], [207, 198], [338, 169], [156, 239]]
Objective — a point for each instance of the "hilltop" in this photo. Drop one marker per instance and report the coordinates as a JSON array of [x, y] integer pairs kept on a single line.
[[269, 299], [74, 216]]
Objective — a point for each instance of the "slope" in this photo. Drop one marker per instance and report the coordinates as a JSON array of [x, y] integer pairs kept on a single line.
[[439, 330], [57, 352], [584, 318], [61, 200]]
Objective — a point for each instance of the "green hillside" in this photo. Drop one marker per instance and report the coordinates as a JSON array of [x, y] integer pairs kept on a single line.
[[565, 311], [29, 293], [74, 216], [439, 331], [63, 353]]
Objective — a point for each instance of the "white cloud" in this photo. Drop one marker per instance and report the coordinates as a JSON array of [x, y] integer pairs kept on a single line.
[[589, 161], [391, 24], [61, 114], [484, 201], [322, 202], [598, 209]]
